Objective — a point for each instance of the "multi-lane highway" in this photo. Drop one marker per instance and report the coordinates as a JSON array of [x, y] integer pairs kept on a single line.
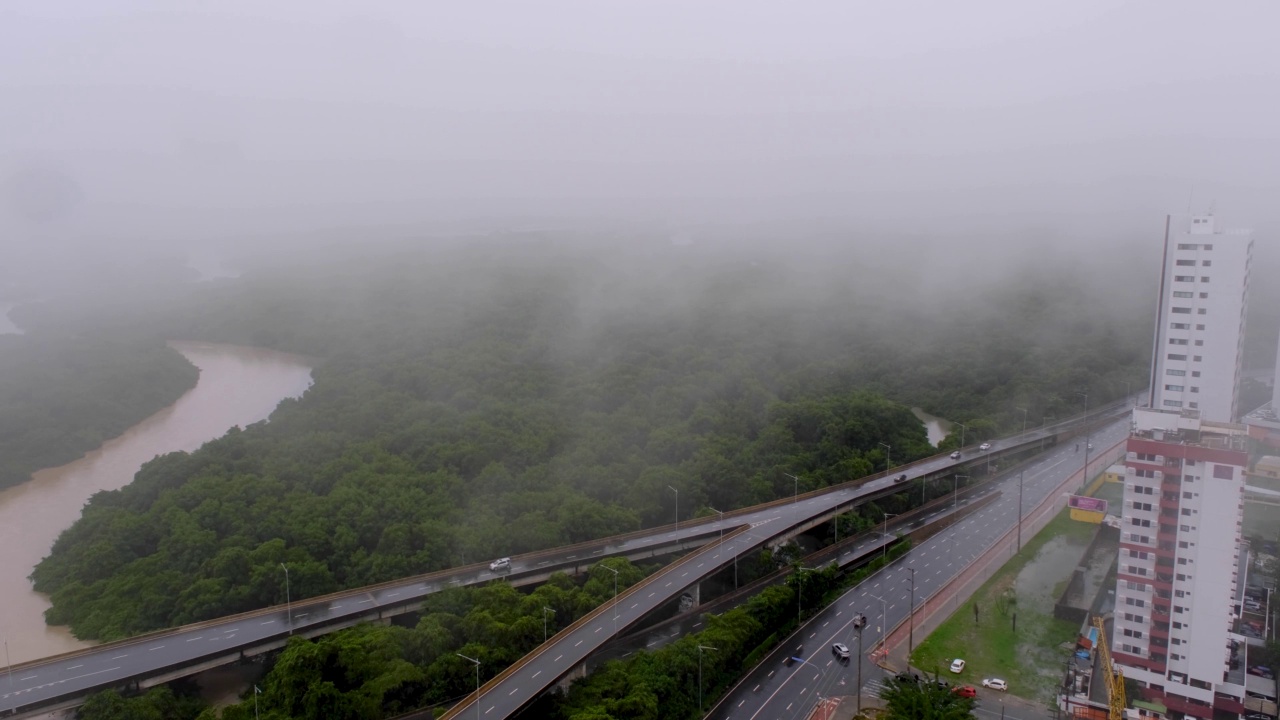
[[42, 683], [775, 691]]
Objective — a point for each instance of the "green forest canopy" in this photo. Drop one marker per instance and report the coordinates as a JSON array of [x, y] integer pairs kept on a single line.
[[500, 402]]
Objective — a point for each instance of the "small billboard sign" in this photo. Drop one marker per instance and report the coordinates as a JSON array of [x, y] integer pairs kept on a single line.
[[1081, 502]]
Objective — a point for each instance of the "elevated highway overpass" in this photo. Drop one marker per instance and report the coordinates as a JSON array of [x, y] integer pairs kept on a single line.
[[63, 681]]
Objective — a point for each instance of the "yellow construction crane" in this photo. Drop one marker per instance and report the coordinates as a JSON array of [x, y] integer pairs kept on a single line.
[[1115, 676]]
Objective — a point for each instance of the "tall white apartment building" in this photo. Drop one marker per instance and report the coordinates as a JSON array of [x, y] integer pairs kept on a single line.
[[1199, 331], [1178, 569]]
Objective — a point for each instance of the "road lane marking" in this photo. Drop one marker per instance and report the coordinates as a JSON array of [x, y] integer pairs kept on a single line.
[[513, 692], [392, 594], [558, 658], [267, 622], [155, 648], [114, 658], [580, 642], [32, 677], [73, 667], [198, 637], [537, 673]]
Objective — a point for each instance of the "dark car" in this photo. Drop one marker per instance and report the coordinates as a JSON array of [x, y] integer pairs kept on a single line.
[[901, 478]]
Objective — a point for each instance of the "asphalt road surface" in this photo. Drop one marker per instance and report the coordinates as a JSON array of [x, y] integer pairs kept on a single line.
[[775, 691]]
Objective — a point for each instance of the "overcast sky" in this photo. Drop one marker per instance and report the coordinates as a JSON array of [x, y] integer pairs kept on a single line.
[[908, 112]]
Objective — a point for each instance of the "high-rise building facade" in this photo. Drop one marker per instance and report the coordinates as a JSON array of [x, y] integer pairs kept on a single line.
[[1199, 332], [1177, 581]]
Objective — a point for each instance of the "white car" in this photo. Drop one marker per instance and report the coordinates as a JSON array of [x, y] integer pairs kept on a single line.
[[500, 564], [957, 665], [995, 684], [984, 446], [955, 455], [840, 650]]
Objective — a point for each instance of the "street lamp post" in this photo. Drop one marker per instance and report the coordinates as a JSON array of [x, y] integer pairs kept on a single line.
[[911, 616], [700, 649], [799, 586], [1084, 477], [615, 597], [882, 620], [677, 492], [288, 602], [1024, 419], [545, 610], [888, 462], [858, 691], [721, 514], [8, 663], [477, 664], [963, 428], [795, 492], [884, 549], [1020, 510]]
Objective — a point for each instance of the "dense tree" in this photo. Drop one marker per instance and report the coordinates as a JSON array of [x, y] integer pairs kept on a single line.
[[909, 699]]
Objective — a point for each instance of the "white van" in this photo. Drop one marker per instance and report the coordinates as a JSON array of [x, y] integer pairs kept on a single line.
[[500, 564]]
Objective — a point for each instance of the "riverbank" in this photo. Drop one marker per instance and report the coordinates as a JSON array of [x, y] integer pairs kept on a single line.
[[237, 386]]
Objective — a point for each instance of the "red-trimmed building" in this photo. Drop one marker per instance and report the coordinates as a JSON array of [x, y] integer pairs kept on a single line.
[[1177, 581]]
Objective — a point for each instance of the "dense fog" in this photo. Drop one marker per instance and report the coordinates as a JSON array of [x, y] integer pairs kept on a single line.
[[934, 138]]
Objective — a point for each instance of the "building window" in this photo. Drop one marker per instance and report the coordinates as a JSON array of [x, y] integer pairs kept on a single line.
[[1199, 327], [1173, 388], [1184, 278], [1182, 561], [1208, 247], [1195, 373], [1136, 634], [1177, 341], [1187, 494], [1223, 472], [1183, 294], [1140, 587], [1193, 405], [1184, 528], [1140, 522], [1186, 511], [1179, 326], [1204, 296], [1199, 343], [1201, 311], [1183, 544], [1186, 263], [1178, 609], [1197, 358], [1195, 389], [1206, 263], [1176, 373], [1183, 577], [1173, 356], [1204, 278], [1188, 246], [1183, 310]]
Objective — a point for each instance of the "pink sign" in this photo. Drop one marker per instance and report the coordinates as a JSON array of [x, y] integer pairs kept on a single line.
[[1080, 502]]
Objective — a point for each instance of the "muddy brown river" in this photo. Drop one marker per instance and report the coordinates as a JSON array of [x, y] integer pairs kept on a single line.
[[237, 386]]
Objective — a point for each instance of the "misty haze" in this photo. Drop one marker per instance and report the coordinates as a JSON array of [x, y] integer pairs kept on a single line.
[[639, 360]]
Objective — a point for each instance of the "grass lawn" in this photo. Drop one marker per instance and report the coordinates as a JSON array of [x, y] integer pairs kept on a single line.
[[1032, 657]]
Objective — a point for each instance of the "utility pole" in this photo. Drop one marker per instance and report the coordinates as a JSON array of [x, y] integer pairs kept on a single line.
[[1024, 419], [888, 452], [545, 610], [795, 492]]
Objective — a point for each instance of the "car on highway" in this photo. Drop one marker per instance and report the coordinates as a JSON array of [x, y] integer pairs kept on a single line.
[[984, 446], [901, 479], [500, 564], [995, 684], [967, 691], [955, 455], [840, 650], [957, 665]]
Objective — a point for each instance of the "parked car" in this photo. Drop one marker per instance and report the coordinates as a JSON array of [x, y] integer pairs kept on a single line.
[[968, 691], [955, 455], [995, 684], [840, 650], [984, 446], [500, 564], [957, 665]]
